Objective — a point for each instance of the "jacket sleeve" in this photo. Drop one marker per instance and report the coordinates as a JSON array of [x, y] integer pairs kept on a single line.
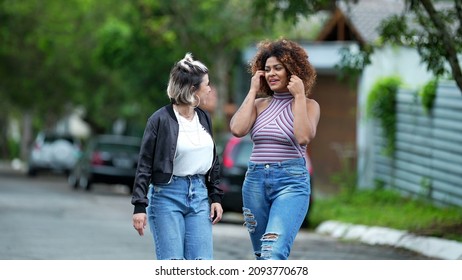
[[144, 168], [213, 181]]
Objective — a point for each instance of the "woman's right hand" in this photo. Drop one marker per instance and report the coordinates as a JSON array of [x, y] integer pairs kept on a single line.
[[244, 118], [255, 82], [139, 222]]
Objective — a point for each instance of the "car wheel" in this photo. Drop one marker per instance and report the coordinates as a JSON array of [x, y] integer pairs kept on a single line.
[[85, 183], [31, 172]]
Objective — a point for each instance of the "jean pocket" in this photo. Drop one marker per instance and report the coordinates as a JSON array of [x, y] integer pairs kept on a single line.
[[296, 170]]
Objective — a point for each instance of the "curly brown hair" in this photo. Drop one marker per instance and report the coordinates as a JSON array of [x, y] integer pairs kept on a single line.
[[291, 55]]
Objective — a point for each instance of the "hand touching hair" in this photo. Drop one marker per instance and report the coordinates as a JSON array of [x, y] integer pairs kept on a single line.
[[292, 55]]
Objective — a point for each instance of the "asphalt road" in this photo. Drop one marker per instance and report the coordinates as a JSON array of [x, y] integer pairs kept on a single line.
[[42, 218]]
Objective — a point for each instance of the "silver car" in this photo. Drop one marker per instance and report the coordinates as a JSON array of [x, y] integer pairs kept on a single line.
[[53, 152]]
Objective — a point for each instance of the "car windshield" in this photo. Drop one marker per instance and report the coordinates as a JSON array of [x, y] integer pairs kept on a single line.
[[53, 138]]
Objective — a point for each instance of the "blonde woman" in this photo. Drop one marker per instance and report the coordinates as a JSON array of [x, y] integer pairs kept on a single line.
[[178, 170]]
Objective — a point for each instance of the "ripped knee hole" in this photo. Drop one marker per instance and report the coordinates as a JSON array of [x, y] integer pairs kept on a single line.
[[270, 237]]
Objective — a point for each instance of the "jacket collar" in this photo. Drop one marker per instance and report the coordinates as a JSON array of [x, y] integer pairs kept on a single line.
[[169, 108]]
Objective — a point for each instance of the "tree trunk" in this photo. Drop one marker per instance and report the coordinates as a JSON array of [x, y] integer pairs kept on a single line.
[[26, 134], [450, 50], [4, 152]]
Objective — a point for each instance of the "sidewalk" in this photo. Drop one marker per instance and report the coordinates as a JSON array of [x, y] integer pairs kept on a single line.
[[15, 166], [428, 246]]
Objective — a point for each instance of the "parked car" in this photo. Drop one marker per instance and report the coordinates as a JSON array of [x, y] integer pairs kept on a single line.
[[108, 159], [53, 152], [235, 156]]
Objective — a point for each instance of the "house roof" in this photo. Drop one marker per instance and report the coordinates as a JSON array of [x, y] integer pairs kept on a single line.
[[352, 24], [359, 21]]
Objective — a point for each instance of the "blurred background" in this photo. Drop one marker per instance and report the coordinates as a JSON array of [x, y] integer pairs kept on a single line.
[[89, 67]]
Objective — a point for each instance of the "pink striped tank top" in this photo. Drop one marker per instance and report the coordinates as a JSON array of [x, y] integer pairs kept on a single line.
[[273, 134]]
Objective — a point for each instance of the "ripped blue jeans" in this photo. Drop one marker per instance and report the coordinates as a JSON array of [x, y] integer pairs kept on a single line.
[[276, 200], [179, 219]]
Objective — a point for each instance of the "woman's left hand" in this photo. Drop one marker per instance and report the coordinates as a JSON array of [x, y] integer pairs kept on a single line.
[[216, 212], [295, 86]]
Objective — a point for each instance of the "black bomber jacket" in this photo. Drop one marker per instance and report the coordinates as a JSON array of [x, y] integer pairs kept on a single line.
[[157, 152]]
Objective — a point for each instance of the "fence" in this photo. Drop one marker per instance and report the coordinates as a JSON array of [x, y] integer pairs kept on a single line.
[[428, 157]]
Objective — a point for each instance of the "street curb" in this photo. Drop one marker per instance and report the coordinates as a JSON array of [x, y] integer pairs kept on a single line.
[[13, 166], [373, 235]]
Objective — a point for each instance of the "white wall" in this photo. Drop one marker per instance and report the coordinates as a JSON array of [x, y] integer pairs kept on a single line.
[[389, 61]]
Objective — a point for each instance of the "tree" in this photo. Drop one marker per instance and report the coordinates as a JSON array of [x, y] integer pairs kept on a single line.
[[36, 61], [145, 43], [49, 64], [290, 10], [215, 31], [136, 53], [113, 60], [436, 32], [434, 28]]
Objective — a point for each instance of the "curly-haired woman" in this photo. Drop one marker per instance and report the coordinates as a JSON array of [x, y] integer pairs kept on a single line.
[[281, 120]]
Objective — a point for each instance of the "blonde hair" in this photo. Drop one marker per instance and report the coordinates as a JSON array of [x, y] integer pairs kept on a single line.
[[185, 78]]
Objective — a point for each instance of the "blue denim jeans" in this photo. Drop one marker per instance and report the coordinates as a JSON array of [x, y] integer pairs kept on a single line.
[[179, 218], [276, 201]]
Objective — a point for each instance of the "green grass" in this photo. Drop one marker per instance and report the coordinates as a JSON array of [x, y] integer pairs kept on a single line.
[[388, 208]]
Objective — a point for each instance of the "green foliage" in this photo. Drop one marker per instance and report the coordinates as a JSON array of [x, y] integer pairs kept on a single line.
[[13, 148], [305, 29], [114, 38], [381, 105], [347, 177], [427, 188], [113, 60], [427, 95], [289, 10], [379, 184], [429, 26], [35, 46], [45, 59], [386, 208], [427, 40], [432, 30], [352, 62], [219, 126]]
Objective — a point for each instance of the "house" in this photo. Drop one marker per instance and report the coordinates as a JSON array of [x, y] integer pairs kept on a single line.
[[428, 156]]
